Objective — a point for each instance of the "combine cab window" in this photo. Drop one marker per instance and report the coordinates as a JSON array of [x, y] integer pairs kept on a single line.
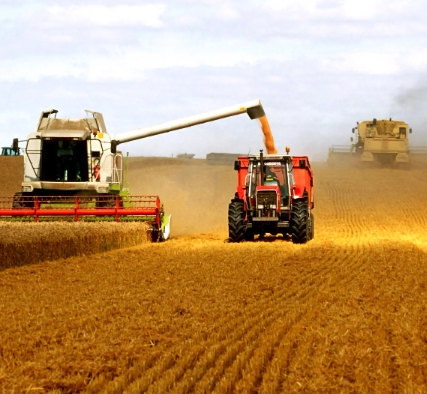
[[402, 132], [64, 161]]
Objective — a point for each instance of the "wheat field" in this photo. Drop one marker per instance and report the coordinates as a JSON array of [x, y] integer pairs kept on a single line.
[[344, 313]]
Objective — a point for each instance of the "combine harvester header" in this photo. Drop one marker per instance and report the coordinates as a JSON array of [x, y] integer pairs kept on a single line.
[[73, 170]]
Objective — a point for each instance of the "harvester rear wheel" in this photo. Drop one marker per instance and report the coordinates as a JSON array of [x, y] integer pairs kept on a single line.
[[236, 226], [300, 222]]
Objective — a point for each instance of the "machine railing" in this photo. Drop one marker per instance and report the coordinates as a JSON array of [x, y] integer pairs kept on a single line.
[[418, 150], [341, 149], [81, 208]]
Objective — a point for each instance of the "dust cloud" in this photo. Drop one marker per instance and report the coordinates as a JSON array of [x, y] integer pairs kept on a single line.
[[194, 193]]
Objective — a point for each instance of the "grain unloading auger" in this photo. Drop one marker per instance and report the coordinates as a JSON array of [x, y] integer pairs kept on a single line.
[[73, 171]]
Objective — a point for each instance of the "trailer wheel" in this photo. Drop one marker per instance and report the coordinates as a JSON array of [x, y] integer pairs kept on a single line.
[[236, 226], [300, 222], [311, 227]]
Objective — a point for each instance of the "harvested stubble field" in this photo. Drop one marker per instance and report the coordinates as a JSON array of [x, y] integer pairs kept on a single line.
[[344, 313]]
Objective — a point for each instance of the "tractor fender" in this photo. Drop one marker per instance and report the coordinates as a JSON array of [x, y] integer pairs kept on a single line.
[[298, 191]]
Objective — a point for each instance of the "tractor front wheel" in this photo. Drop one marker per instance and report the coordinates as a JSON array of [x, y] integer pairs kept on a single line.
[[236, 226], [300, 229]]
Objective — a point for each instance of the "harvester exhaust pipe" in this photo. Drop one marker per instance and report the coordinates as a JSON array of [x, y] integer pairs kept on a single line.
[[261, 163], [253, 108]]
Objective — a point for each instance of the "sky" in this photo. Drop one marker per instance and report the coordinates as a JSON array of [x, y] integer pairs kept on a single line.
[[318, 67]]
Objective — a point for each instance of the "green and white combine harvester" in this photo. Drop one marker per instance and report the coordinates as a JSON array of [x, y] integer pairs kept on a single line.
[[73, 171]]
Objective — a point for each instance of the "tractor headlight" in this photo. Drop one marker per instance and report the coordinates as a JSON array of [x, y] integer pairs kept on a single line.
[[273, 206], [102, 189], [260, 206], [27, 189]]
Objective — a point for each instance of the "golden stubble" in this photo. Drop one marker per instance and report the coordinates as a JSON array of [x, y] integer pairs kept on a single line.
[[343, 313]]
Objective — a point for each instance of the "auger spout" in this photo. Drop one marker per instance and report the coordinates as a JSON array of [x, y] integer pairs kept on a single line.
[[253, 108]]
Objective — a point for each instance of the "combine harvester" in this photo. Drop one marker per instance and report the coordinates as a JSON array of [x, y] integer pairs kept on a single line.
[[383, 142], [274, 195], [73, 171]]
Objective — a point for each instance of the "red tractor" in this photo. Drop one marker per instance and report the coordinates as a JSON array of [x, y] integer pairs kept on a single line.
[[275, 196]]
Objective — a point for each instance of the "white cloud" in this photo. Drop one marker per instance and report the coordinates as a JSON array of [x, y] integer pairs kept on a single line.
[[355, 10], [377, 63], [227, 12], [149, 15]]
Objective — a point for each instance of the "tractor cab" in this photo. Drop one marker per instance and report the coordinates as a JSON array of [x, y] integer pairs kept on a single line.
[[269, 180], [274, 195], [7, 151]]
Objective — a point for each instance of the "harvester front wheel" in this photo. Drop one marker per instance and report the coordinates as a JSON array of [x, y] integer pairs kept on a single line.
[[236, 226], [300, 229], [21, 201], [17, 201]]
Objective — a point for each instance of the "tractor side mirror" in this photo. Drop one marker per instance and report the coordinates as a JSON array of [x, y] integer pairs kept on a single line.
[[351, 139], [302, 163], [237, 165], [15, 146], [352, 130], [410, 131]]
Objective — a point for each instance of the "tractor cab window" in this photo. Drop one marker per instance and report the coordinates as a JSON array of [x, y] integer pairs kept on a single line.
[[273, 174]]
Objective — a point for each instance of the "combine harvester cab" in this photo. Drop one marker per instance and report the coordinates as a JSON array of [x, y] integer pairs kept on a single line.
[[381, 142], [73, 171], [274, 195]]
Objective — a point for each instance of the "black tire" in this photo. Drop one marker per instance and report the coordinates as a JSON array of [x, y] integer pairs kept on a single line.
[[249, 235], [21, 201], [311, 226], [108, 201], [299, 222], [236, 226], [17, 201]]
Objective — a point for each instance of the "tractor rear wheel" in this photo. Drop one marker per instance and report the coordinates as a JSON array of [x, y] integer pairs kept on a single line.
[[300, 222], [236, 226], [249, 235], [311, 227]]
